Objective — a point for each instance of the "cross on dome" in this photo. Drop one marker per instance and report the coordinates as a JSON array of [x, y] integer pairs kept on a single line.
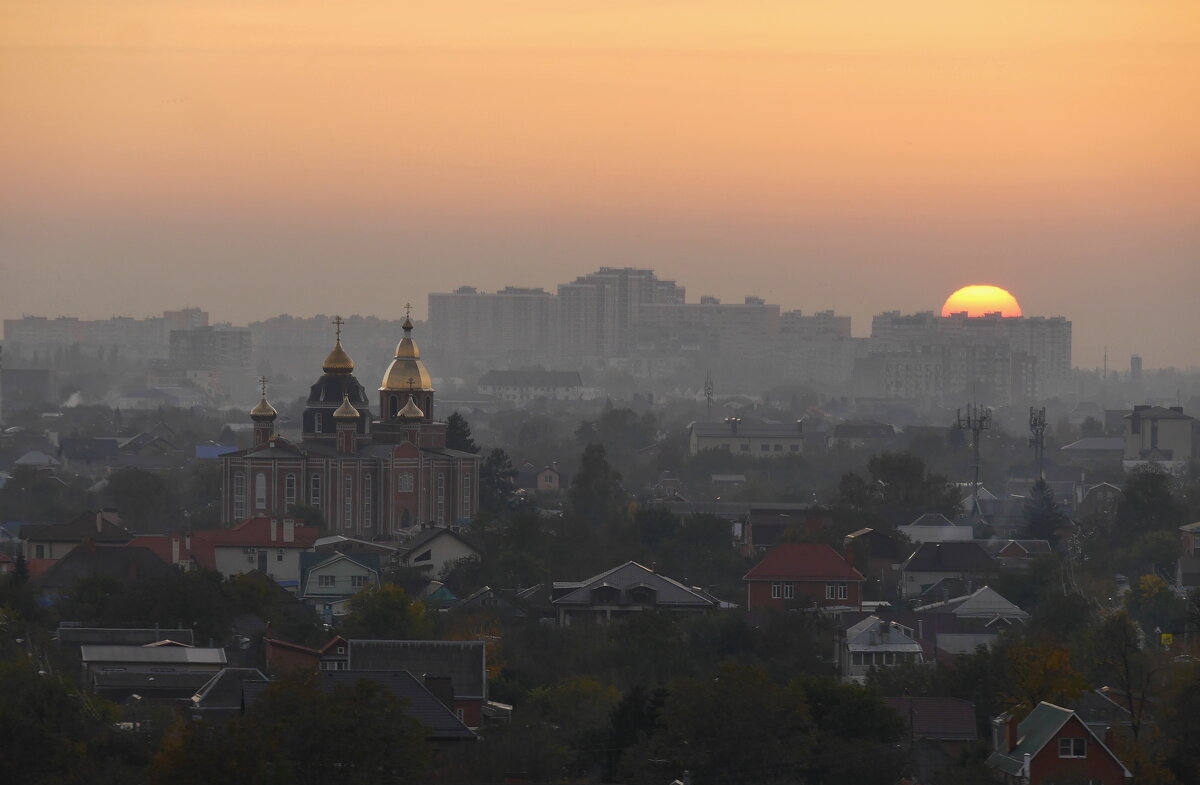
[[338, 321]]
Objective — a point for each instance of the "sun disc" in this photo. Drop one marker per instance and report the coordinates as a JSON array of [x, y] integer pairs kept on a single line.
[[979, 300]]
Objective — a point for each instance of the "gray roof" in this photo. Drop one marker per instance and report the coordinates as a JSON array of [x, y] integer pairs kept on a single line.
[[124, 563], [1096, 443], [224, 690], [429, 535], [420, 704], [171, 655], [933, 519], [965, 556], [463, 661], [750, 430], [984, 602], [631, 575]]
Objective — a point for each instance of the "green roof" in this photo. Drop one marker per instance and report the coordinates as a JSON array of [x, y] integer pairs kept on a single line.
[[1034, 733]]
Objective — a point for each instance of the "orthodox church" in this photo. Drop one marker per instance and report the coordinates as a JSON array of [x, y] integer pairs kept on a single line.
[[370, 478]]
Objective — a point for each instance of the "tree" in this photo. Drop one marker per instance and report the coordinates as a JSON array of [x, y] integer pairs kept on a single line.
[[1147, 504], [901, 488], [385, 613], [1155, 605], [1042, 672], [1119, 661], [497, 483], [458, 434], [145, 500], [1043, 518], [596, 495]]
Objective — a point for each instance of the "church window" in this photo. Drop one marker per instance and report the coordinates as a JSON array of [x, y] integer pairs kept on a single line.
[[239, 496], [260, 491], [314, 490], [466, 505], [316, 422], [347, 501], [441, 498], [404, 482], [289, 491], [367, 502]]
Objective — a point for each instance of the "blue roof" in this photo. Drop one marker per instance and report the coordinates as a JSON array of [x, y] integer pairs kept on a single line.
[[210, 451]]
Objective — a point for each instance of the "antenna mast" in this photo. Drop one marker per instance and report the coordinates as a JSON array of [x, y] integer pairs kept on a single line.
[[1037, 427], [977, 420], [708, 389]]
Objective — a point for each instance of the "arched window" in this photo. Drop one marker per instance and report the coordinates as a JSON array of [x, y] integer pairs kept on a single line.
[[347, 501], [260, 491], [239, 495], [367, 501], [441, 498], [289, 491], [466, 504], [314, 490]]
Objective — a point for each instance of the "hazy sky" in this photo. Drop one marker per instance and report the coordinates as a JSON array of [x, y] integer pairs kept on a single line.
[[259, 157]]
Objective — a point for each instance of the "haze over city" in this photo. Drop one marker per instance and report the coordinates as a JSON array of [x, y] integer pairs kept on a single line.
[[261, 158]]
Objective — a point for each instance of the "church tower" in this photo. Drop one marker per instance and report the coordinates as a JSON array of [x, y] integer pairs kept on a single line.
[[337, 383], [406, 379], [263, 414]]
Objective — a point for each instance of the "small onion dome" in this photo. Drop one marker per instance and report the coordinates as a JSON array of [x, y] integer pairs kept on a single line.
[[411, 411], [345, 411], [338, 361], [263, 411]]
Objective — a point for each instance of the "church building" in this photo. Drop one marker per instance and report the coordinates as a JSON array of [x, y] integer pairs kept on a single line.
[[370, 478]]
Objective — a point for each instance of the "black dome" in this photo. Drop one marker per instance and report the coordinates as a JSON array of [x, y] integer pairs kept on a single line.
[[326, 395]]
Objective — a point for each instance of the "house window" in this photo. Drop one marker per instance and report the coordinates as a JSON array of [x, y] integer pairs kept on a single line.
[[39, 551], [843, 591], [745, 447], [789, 591], [314, 490], [1072, 748], [367, 502], [466, 505], [326, 581], [779, 448], [358, 581], [765, 448], [289, 491], [279, 555], [404, 482], [441, 498], [347, 501], [795, 448], [830, 591], [776, 591], [239, 495], [260, 491]]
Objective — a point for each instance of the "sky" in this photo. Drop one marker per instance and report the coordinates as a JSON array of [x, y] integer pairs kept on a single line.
[[256, 157]]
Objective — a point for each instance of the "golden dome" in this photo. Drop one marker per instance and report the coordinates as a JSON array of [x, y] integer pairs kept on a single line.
[[411, 411], [345, 411], [406, 371], [263, 411], [338, 361]]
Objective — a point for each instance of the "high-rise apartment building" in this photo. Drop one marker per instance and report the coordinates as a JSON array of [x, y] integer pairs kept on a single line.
[[512, 321], [597, 312]]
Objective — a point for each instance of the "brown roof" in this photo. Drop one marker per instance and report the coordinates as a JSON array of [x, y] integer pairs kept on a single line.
[[803, 561], [942, 719]]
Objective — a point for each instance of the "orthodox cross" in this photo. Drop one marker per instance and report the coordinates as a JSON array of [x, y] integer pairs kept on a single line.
[[263, 381], [338, 322], [408, 310]]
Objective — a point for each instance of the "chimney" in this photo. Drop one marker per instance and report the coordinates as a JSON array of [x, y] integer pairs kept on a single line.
[[654, 567], [1110, 737], [99, 521], [1010, 734]]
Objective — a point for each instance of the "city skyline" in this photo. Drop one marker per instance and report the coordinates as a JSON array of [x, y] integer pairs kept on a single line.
[[857, 157]]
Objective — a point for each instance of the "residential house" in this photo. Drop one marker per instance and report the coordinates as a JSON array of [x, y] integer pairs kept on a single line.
[[328, 580], [268, 544], [174, 548], [1016, 553], [1094, 452], [490, 601], [419, 701], [1002, 518], [91, 457], [433, 550], [1052, 744], [809, 573], [123, 564], [221, 697], [52, 541], [767, 525], [1187, 569], [547, 478], [962, 624], [758, 439], [629, 588], [876, 643], [862, 434], [163, 672], [462, 663], [873, 553], [532, 384], [935, 527], [71, 638], [1099, 501], [933, 561], [1159, 436], [939, 732]]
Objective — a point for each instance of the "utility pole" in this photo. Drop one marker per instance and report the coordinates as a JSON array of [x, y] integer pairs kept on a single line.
[[977, 420], [708, 390], [1037, 427]]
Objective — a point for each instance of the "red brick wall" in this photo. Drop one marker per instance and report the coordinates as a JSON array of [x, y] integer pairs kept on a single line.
[[472, 712], [758, 594], [1098, 764]]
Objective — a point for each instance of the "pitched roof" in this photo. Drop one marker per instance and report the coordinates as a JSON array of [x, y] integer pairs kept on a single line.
[[984, 602], [1096, 443], [224, 690], [121, 563], [429, 535], [463, 661], [97, 526], [874, 633], [965, 556], [256, 532], [631, 575], [933, 519], [803, 561], [176, 655], [420, 704], [941, 719], [78, 636], [1034, 733]]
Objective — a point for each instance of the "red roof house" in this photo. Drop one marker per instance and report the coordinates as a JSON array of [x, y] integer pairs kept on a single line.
[[802, 571]]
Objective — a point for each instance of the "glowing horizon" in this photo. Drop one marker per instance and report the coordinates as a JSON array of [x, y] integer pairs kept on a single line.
[[981, 300]]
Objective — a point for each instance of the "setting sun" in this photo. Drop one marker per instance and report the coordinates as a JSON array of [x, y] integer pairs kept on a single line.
[[980, 300]]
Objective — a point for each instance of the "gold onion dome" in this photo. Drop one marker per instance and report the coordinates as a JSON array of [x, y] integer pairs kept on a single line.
[[406, 371], [411, 411], [345, 411], [263, 411], [338, 361]]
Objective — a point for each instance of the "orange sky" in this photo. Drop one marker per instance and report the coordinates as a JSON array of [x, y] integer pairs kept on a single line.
[[855, 154]]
